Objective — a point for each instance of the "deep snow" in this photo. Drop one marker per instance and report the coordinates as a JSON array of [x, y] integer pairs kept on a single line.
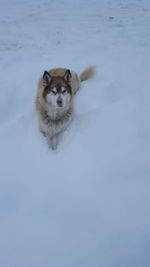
[[87, 203]]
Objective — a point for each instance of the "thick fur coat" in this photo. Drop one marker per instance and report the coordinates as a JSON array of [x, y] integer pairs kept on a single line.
[[54, 100]]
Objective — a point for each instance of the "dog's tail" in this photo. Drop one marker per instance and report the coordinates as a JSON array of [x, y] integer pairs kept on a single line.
[[88, 73]]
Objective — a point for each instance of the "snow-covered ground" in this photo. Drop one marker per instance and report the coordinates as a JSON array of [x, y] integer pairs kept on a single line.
[[87, 203]]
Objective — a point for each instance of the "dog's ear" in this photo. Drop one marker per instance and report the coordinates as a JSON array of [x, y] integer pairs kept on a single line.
[[68, 75], [46, 77]]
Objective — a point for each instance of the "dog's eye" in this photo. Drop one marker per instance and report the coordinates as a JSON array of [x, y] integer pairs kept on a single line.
[[53, 92], [64, 91]]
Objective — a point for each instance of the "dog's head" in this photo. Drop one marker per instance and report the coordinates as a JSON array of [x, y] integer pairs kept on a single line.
[[57, 90]]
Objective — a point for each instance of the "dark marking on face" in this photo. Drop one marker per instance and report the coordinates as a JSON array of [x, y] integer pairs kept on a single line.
[[57, 82], [59, 90]]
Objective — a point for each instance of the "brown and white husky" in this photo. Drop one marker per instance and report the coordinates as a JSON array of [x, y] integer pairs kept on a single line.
[[54, 100]]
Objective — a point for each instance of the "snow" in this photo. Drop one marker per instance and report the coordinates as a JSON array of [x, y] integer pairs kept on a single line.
[[87, 203]]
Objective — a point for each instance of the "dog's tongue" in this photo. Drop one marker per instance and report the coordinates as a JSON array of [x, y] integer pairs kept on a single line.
[[59, 102]]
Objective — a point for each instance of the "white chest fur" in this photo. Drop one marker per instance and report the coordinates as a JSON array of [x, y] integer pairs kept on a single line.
[[54, 125]]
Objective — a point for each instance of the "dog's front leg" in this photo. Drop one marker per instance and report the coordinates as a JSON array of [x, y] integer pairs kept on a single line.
[[53, 142]]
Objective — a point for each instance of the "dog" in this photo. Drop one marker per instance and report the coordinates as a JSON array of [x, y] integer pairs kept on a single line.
[[54, 100]]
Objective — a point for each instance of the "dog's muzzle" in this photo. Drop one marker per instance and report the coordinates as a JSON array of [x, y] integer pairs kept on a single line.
[[59, 102]]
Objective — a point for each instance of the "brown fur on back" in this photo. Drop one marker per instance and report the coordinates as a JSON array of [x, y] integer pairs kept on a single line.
[[57, 72], [53, 121]]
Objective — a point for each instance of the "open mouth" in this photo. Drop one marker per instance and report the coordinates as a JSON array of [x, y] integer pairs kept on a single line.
[[59, 103]]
